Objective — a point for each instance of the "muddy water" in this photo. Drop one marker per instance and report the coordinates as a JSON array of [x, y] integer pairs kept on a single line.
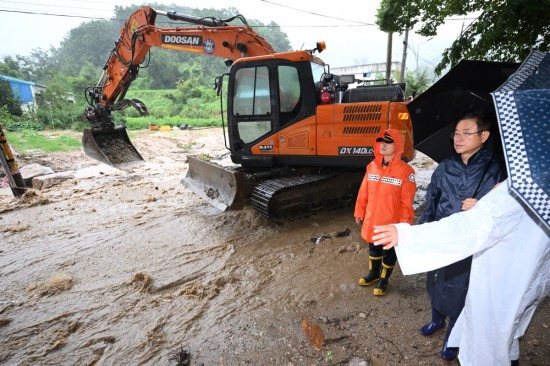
[[126, 267]]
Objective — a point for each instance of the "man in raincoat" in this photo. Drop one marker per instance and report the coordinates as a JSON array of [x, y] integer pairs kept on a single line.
[[385, 197], [510, 271], [456, 185]]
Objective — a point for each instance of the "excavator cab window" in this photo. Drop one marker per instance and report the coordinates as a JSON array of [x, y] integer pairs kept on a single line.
[[317, 71], [290, 93], [252, 99], [252, 95]]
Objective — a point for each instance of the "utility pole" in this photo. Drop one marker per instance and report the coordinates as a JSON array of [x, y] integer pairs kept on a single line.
[[404, 61], [388, 57]]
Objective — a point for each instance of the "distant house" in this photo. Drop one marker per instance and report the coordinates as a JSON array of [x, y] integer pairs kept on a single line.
[[26, 91]]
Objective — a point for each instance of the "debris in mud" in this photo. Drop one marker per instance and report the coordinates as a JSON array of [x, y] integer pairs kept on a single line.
[[353, 247], [314, 334], [142, 280], [47, 181], [16, 228], [182, 357], [341, 234], [149, 199], [317, 240], [33, 198], [4, 322], [336, 234], [56, 284]]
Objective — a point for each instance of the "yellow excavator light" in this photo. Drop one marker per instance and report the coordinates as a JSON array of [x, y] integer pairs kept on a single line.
[[402, 116]]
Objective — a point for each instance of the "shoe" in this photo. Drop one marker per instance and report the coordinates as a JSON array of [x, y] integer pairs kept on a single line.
[[382, 284], [381, 287], [432, 327], [449, 354], [374, 271], [368, 279]]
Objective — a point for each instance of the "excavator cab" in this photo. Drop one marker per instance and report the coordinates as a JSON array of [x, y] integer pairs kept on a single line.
[[269, 95]]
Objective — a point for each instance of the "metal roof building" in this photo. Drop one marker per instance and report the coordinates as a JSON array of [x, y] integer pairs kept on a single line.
[[24, 90]]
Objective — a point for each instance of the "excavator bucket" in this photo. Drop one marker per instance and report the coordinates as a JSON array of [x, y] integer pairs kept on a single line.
[[219, 186], [112, 146]]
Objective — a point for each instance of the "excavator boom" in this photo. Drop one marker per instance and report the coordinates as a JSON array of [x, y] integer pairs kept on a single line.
[[212, 37]]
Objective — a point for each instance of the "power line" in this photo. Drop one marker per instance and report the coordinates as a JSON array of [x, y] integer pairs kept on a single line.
[[317, 14], [178, 23], [50, 5], [51, 14]]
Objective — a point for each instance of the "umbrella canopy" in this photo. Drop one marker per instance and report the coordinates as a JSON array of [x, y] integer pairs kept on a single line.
[[463, 89], [523, 111]]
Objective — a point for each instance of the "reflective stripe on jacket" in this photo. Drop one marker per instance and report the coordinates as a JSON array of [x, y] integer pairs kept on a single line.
[[387, 192]]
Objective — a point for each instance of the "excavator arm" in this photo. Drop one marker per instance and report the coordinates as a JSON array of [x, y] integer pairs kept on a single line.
[[211, 37]]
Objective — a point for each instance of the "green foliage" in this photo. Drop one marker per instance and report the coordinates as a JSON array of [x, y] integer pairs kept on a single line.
[[189, 102], [8, 100], [417, 82], [89, 43], [175, 85], [29, 140], [10, 67], [139, 123], [18, 125], [6, 117], [505, 30]]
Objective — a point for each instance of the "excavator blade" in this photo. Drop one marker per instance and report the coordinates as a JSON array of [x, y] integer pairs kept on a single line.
[[219, 186], [112, 146]]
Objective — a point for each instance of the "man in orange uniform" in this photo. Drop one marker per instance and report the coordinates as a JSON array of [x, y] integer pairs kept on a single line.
[[385, 197]]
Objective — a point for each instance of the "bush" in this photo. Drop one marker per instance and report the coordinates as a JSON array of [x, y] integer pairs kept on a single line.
[[8, 99], [22, 125], [144, 122], [55, 118]]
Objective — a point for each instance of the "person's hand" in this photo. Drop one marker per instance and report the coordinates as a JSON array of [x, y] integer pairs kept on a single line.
[[385, 235], [468, 203], [357, 220]]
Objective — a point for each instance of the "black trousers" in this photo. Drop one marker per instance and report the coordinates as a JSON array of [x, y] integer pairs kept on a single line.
[[389, 257]]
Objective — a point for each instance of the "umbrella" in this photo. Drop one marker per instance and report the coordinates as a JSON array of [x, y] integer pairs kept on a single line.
[[523, 111], [463, 89]]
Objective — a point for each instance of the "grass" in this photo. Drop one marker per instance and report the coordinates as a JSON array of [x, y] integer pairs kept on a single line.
[[34, 141], [138, 123]]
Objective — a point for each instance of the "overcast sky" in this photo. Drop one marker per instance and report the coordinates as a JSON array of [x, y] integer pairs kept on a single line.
[[348, 27]]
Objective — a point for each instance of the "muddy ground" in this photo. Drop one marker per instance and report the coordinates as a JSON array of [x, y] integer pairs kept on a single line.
[[128, 267]]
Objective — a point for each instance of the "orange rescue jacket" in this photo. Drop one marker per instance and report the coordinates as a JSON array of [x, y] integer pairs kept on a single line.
[[387, 192]]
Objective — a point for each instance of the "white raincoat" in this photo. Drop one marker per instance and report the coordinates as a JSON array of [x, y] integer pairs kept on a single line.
[[510, 272]]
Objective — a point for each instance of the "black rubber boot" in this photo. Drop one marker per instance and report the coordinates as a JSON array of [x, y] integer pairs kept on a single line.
[[374, 271], [382, 284]]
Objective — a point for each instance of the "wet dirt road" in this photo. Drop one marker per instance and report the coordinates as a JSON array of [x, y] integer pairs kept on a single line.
[[126, 267]]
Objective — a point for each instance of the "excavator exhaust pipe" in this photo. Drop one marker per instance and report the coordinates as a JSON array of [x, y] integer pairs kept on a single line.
[[221, 187], [111, 146]]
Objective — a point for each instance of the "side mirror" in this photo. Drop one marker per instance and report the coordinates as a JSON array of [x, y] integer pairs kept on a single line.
[[217, 86]]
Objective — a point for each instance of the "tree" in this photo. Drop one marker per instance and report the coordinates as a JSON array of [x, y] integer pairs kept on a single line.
[[8, 100], [505, 30], [417, 82], [10, 67]]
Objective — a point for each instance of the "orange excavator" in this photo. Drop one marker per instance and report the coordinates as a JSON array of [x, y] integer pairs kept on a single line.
[[302, 138]]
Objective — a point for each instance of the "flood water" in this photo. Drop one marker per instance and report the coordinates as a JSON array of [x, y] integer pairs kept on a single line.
[[128, 267]]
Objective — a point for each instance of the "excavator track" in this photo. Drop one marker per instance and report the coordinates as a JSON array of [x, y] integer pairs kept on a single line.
[[296, 195]]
